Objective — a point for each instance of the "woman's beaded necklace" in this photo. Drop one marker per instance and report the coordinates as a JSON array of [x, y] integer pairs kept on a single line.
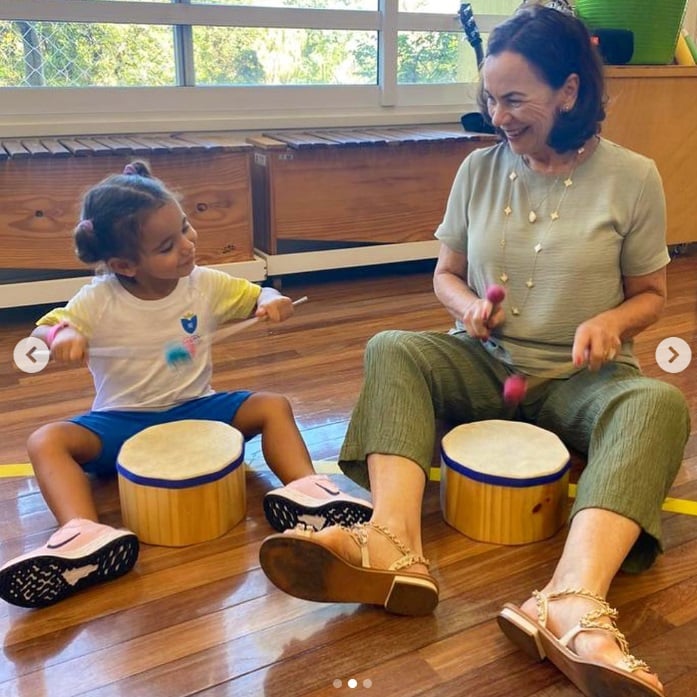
[[532, 217]]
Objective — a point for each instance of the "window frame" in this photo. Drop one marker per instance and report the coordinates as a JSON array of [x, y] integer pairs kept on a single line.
[[90, 110]]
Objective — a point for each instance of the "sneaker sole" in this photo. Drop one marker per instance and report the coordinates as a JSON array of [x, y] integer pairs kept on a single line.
[[285, 514], [47, 579]]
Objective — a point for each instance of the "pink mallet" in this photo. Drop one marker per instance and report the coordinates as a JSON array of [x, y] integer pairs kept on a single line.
[[495, 294], [515, 386], [514, 389]]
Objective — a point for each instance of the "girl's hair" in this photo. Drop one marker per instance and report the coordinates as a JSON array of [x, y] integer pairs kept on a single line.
[[556, 45], [114, 211]]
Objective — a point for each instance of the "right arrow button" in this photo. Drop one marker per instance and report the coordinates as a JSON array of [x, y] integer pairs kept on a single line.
[[673, 354]]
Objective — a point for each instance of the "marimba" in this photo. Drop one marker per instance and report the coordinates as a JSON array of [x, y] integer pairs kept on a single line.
[[355, 193], [42, 181]]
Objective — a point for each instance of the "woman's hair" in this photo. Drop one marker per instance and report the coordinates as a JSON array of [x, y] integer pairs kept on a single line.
[[556, 45], [114, 211]]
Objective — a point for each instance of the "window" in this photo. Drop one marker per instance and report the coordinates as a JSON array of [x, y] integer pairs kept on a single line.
[[71, 54], [226, 63]]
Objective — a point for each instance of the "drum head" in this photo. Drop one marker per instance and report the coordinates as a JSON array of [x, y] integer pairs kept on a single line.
[[181, 451], [511, 450]]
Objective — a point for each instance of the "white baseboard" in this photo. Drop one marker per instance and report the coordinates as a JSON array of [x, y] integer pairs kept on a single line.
[[300, 262]]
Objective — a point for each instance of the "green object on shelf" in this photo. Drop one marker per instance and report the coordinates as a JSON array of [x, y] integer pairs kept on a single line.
[[655, 23], [691, 45]]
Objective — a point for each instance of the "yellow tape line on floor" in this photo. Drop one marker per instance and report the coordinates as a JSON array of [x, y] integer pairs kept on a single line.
[[16, 471], [683, 506]]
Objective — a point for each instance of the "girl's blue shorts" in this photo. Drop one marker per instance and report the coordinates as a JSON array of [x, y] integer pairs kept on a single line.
[[114, 428]]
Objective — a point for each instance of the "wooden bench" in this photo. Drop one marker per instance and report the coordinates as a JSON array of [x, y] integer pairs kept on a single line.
[[42, 181]]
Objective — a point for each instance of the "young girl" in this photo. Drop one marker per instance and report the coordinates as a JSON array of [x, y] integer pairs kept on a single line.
[[141, 326]]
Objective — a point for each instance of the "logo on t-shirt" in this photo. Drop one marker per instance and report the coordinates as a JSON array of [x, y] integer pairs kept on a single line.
[[189, 323]]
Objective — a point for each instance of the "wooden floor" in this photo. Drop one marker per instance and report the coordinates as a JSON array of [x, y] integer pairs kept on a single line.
[[204, 620]]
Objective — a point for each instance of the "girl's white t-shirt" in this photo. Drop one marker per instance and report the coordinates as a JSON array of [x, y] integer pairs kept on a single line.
[[154, 354]]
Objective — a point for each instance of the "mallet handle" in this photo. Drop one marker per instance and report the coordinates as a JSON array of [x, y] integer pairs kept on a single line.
[[226, 332], [132, 351]]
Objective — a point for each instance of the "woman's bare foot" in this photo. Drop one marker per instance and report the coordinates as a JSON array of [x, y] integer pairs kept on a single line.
[[382, 551], [596, 646]]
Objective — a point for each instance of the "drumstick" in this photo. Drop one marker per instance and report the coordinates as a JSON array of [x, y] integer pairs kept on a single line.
[[226, 332], [179, 353], [514, 389], [495, 294], [515, 386]]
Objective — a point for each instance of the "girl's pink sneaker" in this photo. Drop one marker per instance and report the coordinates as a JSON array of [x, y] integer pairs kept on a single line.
[[79, 554]]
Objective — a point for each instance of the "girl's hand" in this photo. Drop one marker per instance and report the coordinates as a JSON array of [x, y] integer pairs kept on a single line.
[[273, 306], [69, 346]]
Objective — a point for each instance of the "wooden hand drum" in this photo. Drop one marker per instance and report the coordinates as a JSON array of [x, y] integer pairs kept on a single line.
[[182, 482], [504, 482]]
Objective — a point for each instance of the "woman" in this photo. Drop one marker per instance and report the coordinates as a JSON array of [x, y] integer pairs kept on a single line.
[[573, 227]]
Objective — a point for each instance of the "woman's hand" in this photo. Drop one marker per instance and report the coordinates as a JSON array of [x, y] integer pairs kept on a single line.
[[481, 316], [598, 339], [596, 342], [478, 315]]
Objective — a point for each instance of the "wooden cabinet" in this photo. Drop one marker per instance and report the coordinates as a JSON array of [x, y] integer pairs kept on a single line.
[[326, 199], [653, 110]]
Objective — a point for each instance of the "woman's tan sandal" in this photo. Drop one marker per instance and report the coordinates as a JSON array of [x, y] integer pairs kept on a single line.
[[303, 566], [592, 678]]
